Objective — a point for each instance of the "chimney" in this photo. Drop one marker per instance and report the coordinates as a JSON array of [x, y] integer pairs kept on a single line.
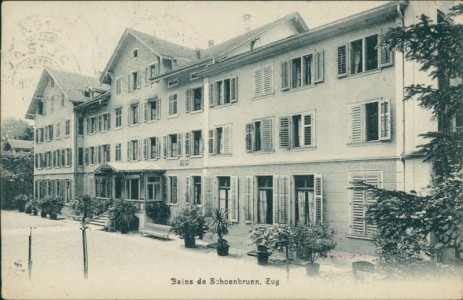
[[198, 53], [246, 22], [210, 43]]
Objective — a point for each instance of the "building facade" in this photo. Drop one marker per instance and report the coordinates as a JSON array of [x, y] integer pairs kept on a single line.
[[273, 125]]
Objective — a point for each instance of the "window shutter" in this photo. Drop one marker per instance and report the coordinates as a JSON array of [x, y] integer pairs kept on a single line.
[[385, 55], [129, 82], [138, 114], [187, 143], [208, 196], [258, 82], [179, 144], [188, 101], [234, 89], [356, 123], [145, 110], [187, 189], [145, 148], [385, 120], [138, 79], [174, 191], [285, 75], [211, 142], [373, 178], [227, 139], [86, 156], [342, 61], [158, 148], [249, 137], [268, 80], [63, 157], [128, 151], [109, 121], [146, 75], [234, 210], [140, 150], [164, 146], [276, 200], [248, 198], [128, 114], [169, 146], [267, 135], [100, 154], [319, 66], [211, 94], [357, 206], [285, 137], [170, 105], [284, 200], [318, 205], [308, 130], [158, 109]]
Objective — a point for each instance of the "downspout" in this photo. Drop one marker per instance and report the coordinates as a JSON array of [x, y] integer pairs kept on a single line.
[[399, 12]]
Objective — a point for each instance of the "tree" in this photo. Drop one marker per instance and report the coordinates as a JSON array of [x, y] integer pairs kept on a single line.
[[17, 177], [405, 220], [13, 128]]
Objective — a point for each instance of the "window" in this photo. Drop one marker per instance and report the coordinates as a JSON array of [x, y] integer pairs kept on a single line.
[[40, 108], [40, 135], [263, 81], [63, 157], [134, 53], [49, 133], [194, 99], [133, 188], [58, 130], [80, 160], [92, 155], [220, 140], [133, 150], [362, 55], [193, 143], [152, 109], [227, 189], [118, 155], [118, 85], [134, 81], [370, 121], [173, 190], [80, 126], [224, 91], [67, 130], [68, 157], [174, 145], [92, 125], [302, 71], [297, 131], [153, 187], [360, 200], [134, 113], [264, 200], [151, 71], [151, 148], [68, 193], [118, 112], [196, 190], [103, 187], [259, 135], [106, 121], [52, 103], [173, 104], [172, 82], [104, 153], [308, 206]]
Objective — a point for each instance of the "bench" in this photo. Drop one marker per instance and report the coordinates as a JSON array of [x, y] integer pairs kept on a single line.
[[361, 267], [156, 230]]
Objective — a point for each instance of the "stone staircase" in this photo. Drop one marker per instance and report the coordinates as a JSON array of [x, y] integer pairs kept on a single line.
[[99, 220]]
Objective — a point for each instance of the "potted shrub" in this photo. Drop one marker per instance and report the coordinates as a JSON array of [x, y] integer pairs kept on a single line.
[[159, 212], [21, 201], [188, 224], [263, 238], [28, 208], [220, 225], [311, 242], [33, 206], [55, 205], [44, 205], [124, 215]]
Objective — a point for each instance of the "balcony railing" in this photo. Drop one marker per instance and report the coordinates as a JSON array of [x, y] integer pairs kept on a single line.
[[458, 129]]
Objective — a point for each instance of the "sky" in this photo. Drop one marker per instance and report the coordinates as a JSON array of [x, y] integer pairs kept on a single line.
[[80, 37]]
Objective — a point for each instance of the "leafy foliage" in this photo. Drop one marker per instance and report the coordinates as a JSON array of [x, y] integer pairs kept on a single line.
[[124, 214], [189, 223], [17, 177], [312, 241], [158, 211], [219, 223], [14, 128], [275, 237]]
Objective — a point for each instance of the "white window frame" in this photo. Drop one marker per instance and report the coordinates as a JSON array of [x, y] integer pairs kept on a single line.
[[213, 143], [169, 190], [118, 85], [171, 102], [190, 100], [290, 133], [172, 82], [118, 116], [358, 129], [147, 109], [251, 136], [217, 96], [67, 128], [118, 152], [134, 53], [132, 113]]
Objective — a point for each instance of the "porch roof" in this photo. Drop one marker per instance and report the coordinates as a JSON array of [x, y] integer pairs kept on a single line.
[[128, 167]]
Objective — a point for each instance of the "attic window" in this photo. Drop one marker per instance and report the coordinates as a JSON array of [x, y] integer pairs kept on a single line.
[[172, 82], [194, 76], [135, 53]]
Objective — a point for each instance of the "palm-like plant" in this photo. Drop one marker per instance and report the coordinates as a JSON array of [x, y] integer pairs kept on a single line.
[[220, 224]]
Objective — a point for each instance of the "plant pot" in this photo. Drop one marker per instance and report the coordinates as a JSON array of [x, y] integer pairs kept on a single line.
[[53, 216], [124, 230], [222, 250], [190, 242], [43, 214], [21, 209], [262, 257], [312, 269], [35, 212], [28, 210]]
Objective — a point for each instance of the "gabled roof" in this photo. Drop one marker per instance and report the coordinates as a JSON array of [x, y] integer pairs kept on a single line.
[[72, 85], [158, 46], [19, 144]]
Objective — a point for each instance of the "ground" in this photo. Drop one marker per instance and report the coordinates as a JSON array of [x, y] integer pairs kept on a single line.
[[133, 267]]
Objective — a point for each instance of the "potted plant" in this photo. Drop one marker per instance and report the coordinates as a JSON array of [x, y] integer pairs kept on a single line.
[[220, 225], [311, 242], [28, 208], [21, 201], [124, 215], [159, 212], [56, 203], [44, 205], [263, 238], [32, 204], [188, 224]]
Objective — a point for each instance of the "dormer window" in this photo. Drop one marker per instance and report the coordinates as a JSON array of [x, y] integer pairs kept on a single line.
[[135, 53]]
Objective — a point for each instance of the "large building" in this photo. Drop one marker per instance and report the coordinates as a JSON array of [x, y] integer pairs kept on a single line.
[[272, 125]]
